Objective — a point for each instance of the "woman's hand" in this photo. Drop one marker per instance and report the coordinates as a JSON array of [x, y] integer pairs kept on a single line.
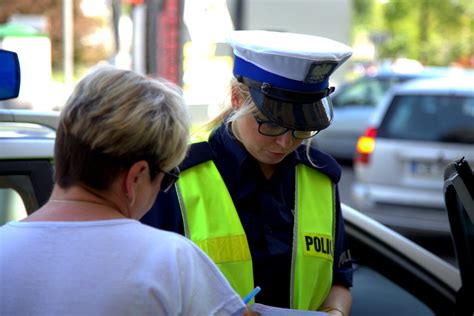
[[249, 312], [338, 302], [334, 312]]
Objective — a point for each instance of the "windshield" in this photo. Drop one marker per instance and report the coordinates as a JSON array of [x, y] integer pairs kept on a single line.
[[430, 118], [366, 91]]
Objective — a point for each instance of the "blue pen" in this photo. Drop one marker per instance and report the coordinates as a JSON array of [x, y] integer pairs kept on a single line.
[[252, 294]]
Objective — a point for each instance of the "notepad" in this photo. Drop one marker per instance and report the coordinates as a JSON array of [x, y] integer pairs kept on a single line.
[[266, 310]]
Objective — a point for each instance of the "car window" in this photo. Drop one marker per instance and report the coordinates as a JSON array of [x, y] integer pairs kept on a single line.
[[363, 92], [25, 185], [388, 281], [430, 118], [12, 207], [375, 294]]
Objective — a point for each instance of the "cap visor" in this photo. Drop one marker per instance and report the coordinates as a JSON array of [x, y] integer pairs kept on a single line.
[[314, 116]]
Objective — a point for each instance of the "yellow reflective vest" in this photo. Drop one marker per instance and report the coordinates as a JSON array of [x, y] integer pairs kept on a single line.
[[212, 222]]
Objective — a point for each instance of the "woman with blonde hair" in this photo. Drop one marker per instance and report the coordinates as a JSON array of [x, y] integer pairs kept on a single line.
[[120, 137], [255, 196]]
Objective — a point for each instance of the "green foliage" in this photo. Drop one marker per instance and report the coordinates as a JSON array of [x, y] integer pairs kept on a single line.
[[436, 32], [364, 10], [395, 11]]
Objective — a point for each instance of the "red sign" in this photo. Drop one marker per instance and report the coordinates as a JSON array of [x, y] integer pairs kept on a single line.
[[169, 41], [136, 2]]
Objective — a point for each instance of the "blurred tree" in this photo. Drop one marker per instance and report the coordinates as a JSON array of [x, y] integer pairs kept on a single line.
[[435, 32], [52, 9], [364, 12]]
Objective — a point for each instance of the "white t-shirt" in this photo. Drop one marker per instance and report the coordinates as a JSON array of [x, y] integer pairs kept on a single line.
[[109, 267]]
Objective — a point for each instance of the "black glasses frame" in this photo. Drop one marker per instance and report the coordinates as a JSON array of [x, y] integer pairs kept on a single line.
[[260, 122], [169, 179]]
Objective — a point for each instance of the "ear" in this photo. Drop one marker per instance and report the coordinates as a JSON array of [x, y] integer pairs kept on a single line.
[[134, 175], [236, 98]]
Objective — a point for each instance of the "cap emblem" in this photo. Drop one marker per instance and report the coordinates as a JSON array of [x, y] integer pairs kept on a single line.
[[319, 72]]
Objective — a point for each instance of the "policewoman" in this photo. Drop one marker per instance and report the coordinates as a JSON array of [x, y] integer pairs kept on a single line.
[[255, 196]]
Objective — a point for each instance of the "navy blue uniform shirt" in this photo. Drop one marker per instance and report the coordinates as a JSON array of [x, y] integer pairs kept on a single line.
[[265, 209]]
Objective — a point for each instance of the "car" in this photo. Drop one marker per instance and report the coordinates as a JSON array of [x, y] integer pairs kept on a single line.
[[418, 129], [392, 275], [26, 163], [353, 104]]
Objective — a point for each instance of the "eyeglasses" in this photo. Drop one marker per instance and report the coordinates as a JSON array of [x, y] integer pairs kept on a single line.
[[169, 179], [269, 128]]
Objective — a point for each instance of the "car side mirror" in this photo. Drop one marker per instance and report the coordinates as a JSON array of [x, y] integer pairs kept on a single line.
[[9, 75], [459, 199]]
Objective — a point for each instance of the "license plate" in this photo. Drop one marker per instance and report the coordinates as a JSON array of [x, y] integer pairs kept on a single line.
[[425, 169]]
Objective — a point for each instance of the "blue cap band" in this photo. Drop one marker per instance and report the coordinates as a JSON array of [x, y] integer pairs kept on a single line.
[[249, 70]]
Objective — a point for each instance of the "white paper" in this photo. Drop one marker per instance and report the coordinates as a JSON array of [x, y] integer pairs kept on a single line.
[[266, 310]]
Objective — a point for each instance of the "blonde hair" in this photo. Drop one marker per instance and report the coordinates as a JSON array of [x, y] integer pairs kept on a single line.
[[230, 114], [127, 116]]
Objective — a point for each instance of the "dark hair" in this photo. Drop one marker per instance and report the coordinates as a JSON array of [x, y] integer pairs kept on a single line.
[[75, 162]]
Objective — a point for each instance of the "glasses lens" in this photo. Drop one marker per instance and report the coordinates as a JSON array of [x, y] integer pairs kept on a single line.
[[169, 179], [304, 134], [268, 128], [271, 129]]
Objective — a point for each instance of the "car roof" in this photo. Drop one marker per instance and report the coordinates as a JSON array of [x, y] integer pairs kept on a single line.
[[27, 149], [428, 72], [27, 134], [45, 118], [462, 84], [389, 75]]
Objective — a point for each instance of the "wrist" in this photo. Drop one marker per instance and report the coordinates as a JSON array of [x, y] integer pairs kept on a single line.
[[333, 311]]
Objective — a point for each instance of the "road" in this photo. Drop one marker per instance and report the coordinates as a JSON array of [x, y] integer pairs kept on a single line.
[[432, 226]]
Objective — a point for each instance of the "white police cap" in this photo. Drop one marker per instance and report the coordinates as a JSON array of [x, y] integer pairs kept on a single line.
[[288, 75]]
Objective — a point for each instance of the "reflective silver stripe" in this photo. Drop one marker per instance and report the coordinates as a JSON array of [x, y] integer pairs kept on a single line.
[[333, 187], [183, 210], [295, 243]]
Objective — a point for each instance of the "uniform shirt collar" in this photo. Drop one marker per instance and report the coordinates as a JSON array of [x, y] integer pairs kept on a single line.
[[224, 143]]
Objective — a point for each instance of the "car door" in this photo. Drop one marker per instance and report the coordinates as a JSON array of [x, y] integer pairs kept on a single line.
[[459, 198], [393, 275], [25, 185], [26, 170]]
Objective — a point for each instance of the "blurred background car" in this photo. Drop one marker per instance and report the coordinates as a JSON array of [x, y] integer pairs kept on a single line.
[[355, 101], [417, 130]]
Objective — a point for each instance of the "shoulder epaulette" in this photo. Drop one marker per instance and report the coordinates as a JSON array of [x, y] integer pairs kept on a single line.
[[197, 153]]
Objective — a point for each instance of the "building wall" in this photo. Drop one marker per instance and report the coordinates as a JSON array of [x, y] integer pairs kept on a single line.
[[327, 18]]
